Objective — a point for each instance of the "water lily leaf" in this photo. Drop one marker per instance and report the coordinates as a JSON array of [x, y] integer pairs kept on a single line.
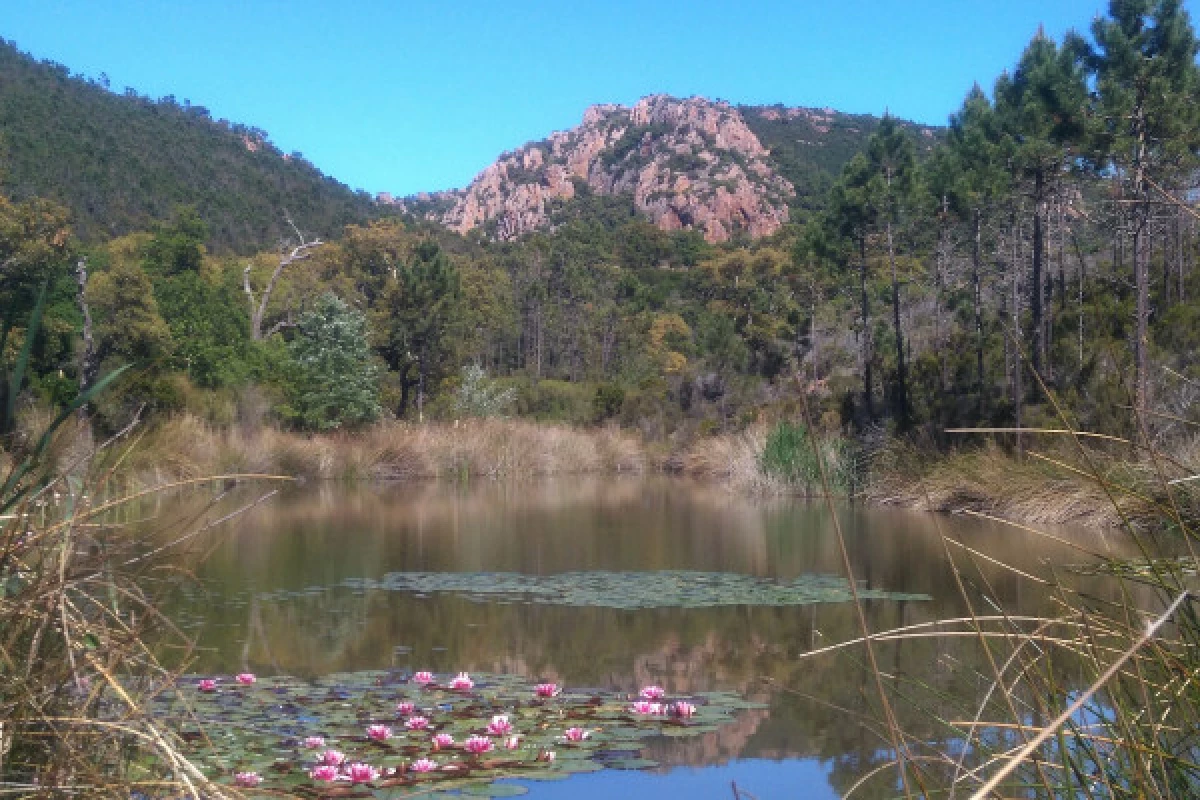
[[496, 790], [632, 763], [623, 590]]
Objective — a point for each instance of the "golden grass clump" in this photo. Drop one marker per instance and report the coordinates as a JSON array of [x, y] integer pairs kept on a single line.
[[184, 446], [990, 480]]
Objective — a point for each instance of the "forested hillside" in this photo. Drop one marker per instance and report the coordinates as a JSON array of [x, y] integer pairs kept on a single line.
[[120, 163], [1044, 245]]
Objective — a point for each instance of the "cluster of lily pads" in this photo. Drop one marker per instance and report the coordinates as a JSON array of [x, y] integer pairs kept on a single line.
[[388, 734], [628, 590]]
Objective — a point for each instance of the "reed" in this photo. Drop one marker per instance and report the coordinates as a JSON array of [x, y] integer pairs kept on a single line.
[[81, 634], [1100, 698], [184, 446]]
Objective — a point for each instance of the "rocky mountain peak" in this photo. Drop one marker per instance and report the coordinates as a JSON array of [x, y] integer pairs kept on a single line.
[[688, 164]]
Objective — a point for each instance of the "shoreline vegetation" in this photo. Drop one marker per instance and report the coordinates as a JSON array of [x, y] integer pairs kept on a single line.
[[986, 479]]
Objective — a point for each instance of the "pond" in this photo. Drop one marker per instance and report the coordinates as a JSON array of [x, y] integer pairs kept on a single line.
[[614, 583]]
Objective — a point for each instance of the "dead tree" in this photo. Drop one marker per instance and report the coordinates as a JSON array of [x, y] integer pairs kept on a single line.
[[258, 305], [87, 359]]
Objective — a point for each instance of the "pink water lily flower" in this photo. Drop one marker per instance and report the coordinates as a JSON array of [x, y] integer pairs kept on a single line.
[[333, 758], [512, 742], [500, 726], [245, 678], [207, 685], [462, 682], [644, 707], [682, 709], [361, 773], [442, 740], [416, 723], [478, 744], [422, 765], [423, 678], [314, 742], [575, 734], [247, 779], [546, 689], [652, 692], [324, 772], [379, 732], [405, 708]]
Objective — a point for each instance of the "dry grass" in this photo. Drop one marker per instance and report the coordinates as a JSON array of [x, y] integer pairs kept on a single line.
[[184, 446], [81, 634], [990, 480]]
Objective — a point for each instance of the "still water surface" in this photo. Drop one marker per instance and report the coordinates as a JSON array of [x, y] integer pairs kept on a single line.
[[282, 593]]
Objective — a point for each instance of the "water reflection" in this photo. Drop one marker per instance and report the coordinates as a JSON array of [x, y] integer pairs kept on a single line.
[[272, 598]]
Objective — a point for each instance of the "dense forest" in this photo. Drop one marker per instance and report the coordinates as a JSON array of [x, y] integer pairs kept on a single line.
[[1044, 247], [122, 162]]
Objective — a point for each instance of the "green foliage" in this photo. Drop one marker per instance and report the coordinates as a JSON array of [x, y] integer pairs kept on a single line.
[[414, 318], [129, 327], [479, 397], [607, 401], [333, 383], [122, 162], [791, 455]]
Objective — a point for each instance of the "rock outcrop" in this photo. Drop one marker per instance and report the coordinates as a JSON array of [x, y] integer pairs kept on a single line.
[[689, 164]]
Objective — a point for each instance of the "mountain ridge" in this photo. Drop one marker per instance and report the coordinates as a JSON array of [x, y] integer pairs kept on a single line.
[[686, 164], [122, 163]]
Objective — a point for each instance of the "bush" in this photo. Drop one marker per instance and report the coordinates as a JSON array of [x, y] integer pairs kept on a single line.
[[333, 382], [479, 397], [790, 455], [607, 401]]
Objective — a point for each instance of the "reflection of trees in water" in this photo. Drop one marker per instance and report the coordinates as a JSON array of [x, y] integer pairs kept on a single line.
[[320, 538]]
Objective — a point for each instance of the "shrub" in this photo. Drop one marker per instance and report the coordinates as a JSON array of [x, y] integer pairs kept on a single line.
[[479, 397], [790, 455], [333, 382]]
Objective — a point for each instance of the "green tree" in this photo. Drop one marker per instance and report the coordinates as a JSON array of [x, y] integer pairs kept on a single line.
[[334, 382], [129, 327], [850, 217], [970, 184], [1041, 107], [1146, 80], [892, 162], [414, 319]]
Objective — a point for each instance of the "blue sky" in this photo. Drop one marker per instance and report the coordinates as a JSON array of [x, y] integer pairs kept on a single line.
[[408, 96]]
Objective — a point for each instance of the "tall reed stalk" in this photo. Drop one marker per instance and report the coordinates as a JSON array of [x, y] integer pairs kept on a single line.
[[1100, 698]]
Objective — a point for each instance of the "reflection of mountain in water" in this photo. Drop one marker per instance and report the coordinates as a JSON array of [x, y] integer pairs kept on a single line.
[[275, 600]]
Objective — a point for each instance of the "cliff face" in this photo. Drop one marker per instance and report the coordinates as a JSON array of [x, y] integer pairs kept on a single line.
[[688, 164]]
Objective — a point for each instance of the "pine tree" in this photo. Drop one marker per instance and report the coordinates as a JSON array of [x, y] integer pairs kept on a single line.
[[893, 166], [1041, 107], [414, 318], [978, 181], [850, 218], [1144, 62]]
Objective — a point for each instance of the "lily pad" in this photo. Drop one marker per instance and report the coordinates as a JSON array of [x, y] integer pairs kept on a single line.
[[627, 590], [496, 790]]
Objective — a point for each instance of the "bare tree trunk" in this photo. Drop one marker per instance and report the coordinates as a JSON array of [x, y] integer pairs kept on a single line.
[[1018, 367], [939, 290], [1141, 273], [1037, 287], [868, 399], [977, 296], [87, 359], [258, 305], [901, 371]]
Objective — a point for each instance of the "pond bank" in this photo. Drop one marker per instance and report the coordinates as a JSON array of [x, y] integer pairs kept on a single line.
[[985, 480]]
